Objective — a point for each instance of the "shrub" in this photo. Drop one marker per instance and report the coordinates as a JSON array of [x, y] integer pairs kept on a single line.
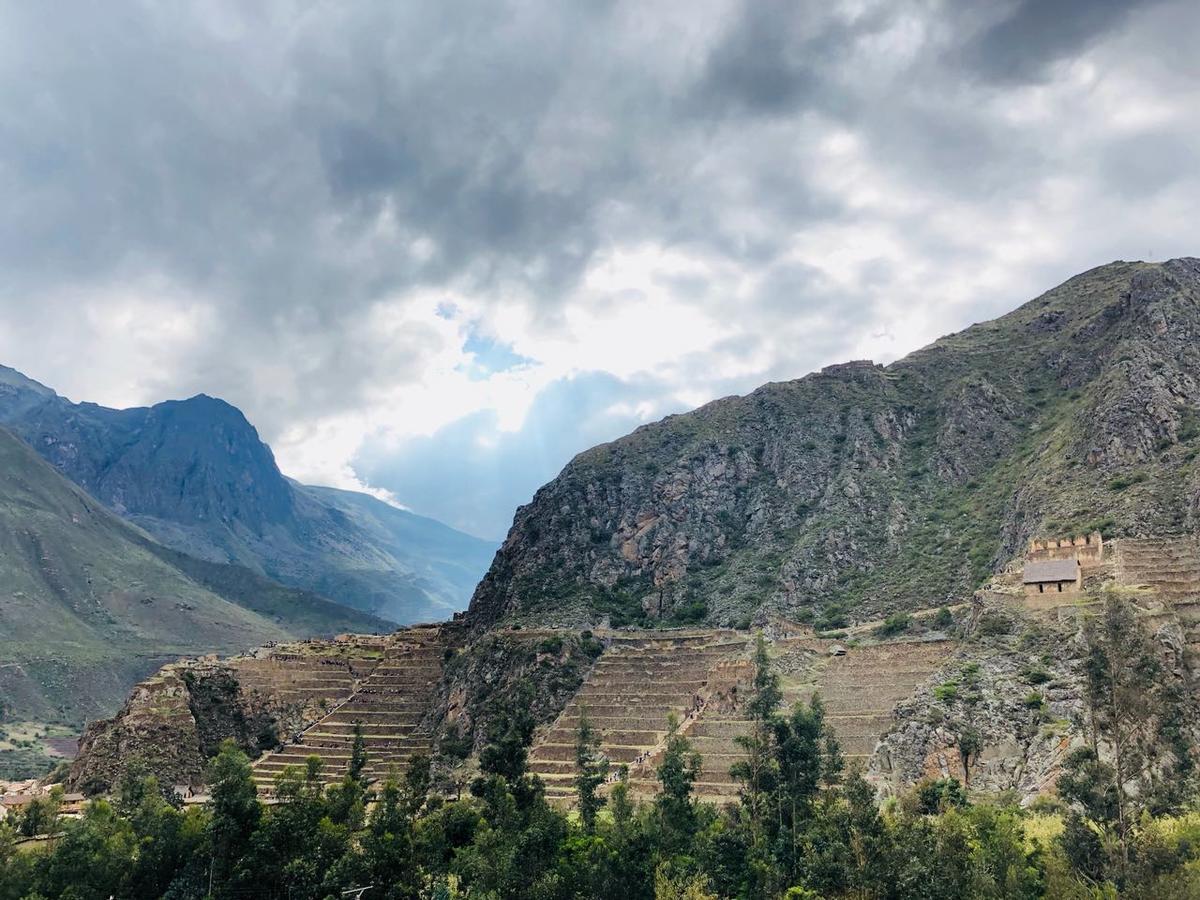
[[1034, 675], [946, 691], [1121, 482], [993, 623], [691, 612], [590, 644], [552, 645], [936, 796], [833, 616], [456, 745], [897, 623]]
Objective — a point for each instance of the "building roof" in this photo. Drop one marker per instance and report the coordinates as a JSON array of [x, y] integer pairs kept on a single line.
[[1051, 570]]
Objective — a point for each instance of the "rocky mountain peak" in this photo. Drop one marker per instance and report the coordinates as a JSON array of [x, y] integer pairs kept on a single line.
[[862, 488]]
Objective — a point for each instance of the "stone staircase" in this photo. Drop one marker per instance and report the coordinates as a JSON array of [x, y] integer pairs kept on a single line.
[[320, 674], [389, 704], [639, 681]]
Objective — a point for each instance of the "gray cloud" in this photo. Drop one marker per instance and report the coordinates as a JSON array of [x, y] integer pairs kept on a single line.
[[267, 175], [1033, 35]]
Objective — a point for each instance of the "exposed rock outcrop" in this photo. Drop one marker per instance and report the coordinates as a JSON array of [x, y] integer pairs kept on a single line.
[[171, 724]]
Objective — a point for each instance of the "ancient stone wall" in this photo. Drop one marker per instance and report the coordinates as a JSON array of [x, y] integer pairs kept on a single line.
[[1087, 548]]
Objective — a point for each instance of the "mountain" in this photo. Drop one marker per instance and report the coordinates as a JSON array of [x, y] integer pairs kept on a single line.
[[89, 603], [863, 488], [447, 560], [195, 475]]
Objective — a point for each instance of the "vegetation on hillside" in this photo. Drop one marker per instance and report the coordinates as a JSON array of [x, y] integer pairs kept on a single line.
[[1127, 824]]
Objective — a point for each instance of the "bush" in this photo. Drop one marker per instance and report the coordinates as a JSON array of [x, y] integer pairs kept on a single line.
[[946, 691], [944, 619], [833, 616], [1034, 675], [590, 644], [993, 623], [456, 745], [1121, 482], [897, 623], [552, 645], [691, 612], [937, 796]]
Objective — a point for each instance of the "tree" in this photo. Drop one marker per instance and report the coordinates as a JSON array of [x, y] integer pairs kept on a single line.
[[93, 857], [970, 744], [683, 886], [235, 813], [759, 770], [358, 753], [1124, 690], [678, 771], [591, 771], [509, 731], [41, 813], [801, 753], [388, 845], [619, 802]]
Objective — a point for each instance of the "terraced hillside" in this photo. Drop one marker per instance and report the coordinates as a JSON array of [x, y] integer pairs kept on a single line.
[[389, 704], [860, 690], [1170, 570], [176, 719], [637, 684], [704, 679], [298, 682]]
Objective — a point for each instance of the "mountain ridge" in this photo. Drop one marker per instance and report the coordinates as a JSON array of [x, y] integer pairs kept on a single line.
[[863, 489], [196, 475]]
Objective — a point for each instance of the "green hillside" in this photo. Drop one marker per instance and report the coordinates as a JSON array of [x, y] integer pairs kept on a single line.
[[89, 604]]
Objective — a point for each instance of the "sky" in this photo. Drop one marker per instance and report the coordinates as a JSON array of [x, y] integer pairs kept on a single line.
[[433, 250]]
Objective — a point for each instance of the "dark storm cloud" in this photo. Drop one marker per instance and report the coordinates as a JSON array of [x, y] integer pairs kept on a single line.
[[1032, 35], [256, 187]]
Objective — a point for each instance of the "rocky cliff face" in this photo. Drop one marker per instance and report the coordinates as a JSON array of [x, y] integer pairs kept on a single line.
[[195, 475], [873, 488], [171, 725], [1017, 682]]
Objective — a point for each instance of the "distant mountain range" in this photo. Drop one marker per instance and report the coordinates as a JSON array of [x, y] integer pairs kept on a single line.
[[89, 603], [195, 475]]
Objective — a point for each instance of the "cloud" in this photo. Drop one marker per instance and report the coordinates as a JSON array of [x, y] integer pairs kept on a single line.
[[474, 473], [1033, 35], [412, 240]]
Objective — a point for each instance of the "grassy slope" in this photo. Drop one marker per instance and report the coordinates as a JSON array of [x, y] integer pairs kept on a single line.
[[86, 604]]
